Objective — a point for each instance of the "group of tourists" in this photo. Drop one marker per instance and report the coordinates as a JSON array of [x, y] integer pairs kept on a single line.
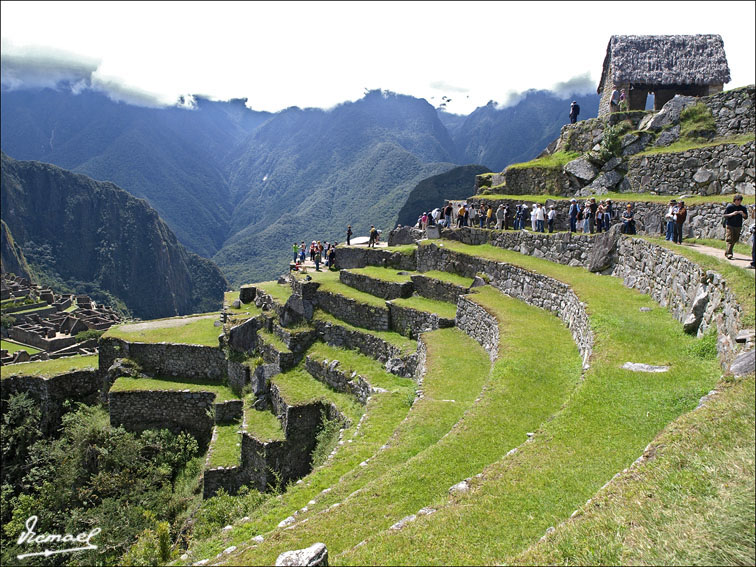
[[317, 251]]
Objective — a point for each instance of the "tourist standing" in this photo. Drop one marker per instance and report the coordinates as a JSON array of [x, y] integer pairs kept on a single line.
[[489, 216], [540, 218], [593, 206], [373, 234], [295, 249], [501, 215], [599, 220], [682, 214], [551, 218], [349, 235], [573, 212], [574, 111], [628, 220], [317, 259], [614, 101], [670, 218], [448, 214], [734, 214], [587, 215]]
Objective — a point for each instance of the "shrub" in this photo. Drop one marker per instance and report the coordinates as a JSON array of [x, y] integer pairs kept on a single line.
[[696, 121], [7, 321], [326, 439], [90, 334]]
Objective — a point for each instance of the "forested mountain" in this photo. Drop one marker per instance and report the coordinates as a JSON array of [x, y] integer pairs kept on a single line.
[[240, 186], [92, 237]]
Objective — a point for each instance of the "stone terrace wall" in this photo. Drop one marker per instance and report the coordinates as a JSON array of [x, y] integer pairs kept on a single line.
[[379, 288], [479, 324], [355, 313], [699, 298], [177, 411], [722, 169], [533, 288], [537, 180], [354, 257], [51, 393], [412, 322], [733, 111], [369, 345], [329, 373], [437, 289], [178, 360]]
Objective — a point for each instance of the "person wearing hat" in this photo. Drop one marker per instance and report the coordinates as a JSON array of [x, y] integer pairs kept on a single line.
[[574, 212], [670, 218], [574, 111], [551, 218]]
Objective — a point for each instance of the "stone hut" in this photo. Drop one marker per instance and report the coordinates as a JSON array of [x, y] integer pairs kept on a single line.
[[665, 65]]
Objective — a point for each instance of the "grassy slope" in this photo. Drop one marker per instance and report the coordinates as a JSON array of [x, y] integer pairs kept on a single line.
[[609, 420], [49, 368], [126, 384], [193, 330]]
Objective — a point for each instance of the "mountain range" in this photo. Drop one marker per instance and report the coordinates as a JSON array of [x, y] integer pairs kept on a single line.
[[240, 186]]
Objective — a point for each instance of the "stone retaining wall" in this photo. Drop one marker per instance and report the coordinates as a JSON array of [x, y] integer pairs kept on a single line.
[[229, 411], [411, 322], [733, 111], [51, 393], [376, 287], [537, 180], [359, 257], [298, 341], [715, 170], [243, 337], [167, 359], [353, 312], [329, 373], [479, 324], [231, 479], [369, 345], [437, 289], [162, 409]]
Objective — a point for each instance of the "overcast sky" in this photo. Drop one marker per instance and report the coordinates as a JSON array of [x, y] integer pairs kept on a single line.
[[319, 54]]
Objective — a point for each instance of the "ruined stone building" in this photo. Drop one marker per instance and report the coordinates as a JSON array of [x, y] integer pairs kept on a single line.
[[665, 65]]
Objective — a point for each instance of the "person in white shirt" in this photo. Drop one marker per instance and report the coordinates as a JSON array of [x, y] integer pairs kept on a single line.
[[551, 218], [534, 217], [540, 217]]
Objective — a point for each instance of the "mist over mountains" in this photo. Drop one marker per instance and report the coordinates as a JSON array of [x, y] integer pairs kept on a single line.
[[240, 186]]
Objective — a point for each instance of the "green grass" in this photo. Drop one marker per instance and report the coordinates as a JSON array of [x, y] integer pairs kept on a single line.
[[406, 345], [352, 361], [226, 449], [12, 347], [739, 248], [127, 384], [195, 330], [273, 340], [245, 310], [440, 308], [49, 368], [329, 282], [553, 161], [279, 293], [449, 277], [687, 144], [384, 274], [262, 425], [601, 429], [692, 504], [739, 280]]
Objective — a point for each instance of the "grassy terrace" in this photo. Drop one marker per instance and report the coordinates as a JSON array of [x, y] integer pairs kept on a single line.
[[693, 504], [449, 277], [456, 431], [279, 293], [614, 196], [553, 161], [12, 347], [262, 425], [738, 279], [385, 274], [407, 346], [195, 330], [226, 449], [440, 308], [352, 361], [49, 368], [329, 282], [245, 310], [127, 384], [273, 340], [603, 428], [687, 144]]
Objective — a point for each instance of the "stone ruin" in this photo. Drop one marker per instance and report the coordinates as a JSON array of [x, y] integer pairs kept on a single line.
[[42, 322]]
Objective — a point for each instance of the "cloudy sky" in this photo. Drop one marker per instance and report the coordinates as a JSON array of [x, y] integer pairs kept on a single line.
[[318, 54]]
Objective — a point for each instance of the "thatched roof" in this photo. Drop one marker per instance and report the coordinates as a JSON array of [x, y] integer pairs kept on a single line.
[[666, 60]]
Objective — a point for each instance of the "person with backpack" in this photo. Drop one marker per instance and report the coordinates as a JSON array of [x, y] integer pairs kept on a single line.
[[574, 111], [373, 237]]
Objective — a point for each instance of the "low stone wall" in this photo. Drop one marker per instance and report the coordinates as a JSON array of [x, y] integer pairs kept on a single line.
[[369, 345], [479, 324], [533, 288], [715, 170], [178, 360], [411, 322], [329, 373], [733, 111], [231, 479], [437, 289], [51, 393], [243, 337], [162, 409], [271, 355], [537, 180], [353, 312], [376, 287], [239, 375], [229, 411], [298, 341], [698, 298], [36, 341], [359, 257]]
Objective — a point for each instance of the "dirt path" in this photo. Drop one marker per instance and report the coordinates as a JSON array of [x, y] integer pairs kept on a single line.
[[739, 260]]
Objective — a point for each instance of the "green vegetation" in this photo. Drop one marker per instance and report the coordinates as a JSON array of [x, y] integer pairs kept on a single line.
[[619, 197], [691, 504], [49, 368], [87, 335], [739, 280], [262, 425], [695, 120], [273, 340], [440, 308], [127, 384], [406, 345], [279, 293], [329, 282], [326, 439], [385, 274], [611, 143], [225, 450], [12, 347], [244, 311], [195, 330], [95, 476], [449, 277], [553, 161], [683, 145]]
